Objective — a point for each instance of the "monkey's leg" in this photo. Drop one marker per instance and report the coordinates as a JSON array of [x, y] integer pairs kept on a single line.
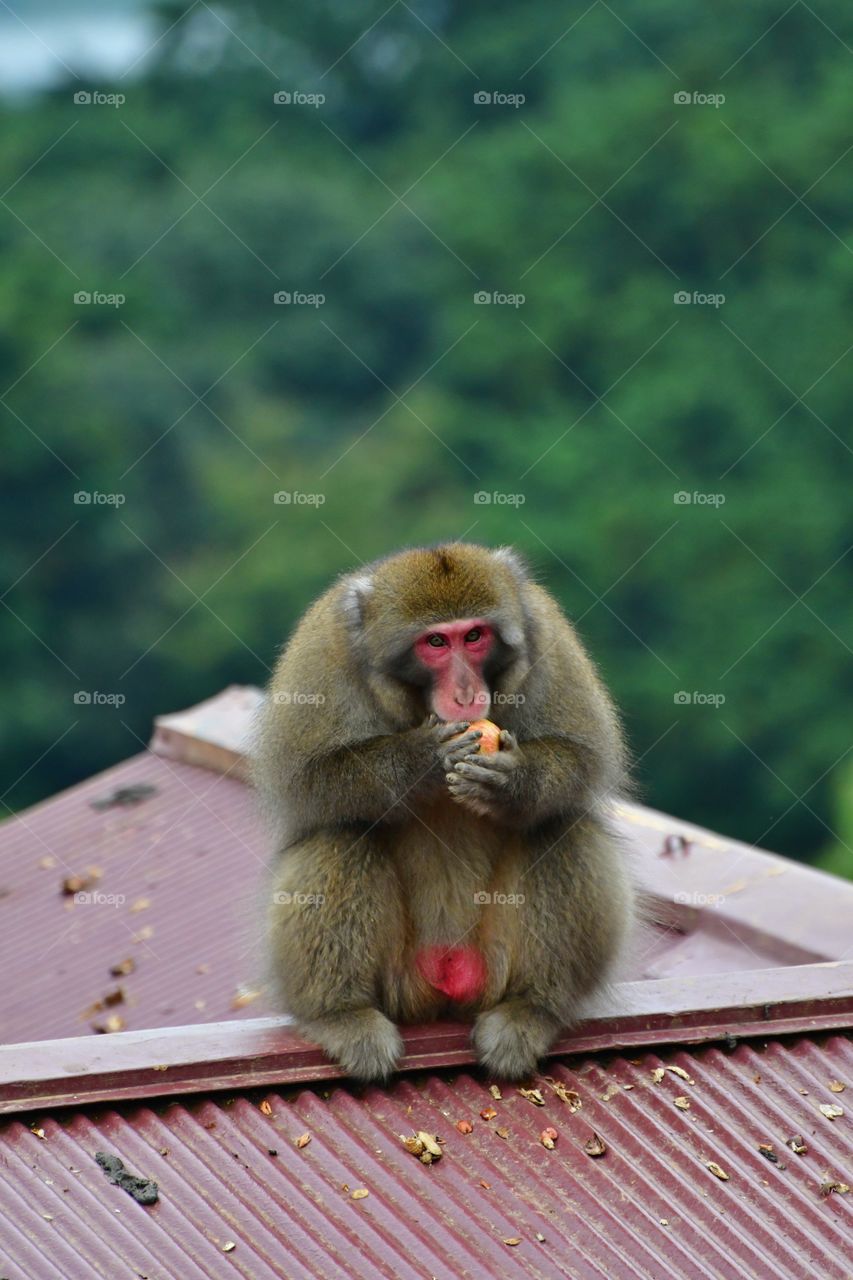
[[336, 923], [574, 919], [511, 1038]]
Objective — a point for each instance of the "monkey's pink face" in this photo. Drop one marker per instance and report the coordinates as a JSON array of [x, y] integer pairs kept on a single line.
[[454, 654]]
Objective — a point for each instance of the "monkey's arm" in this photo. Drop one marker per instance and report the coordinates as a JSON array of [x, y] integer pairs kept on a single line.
[[378, 779], [524, 784]]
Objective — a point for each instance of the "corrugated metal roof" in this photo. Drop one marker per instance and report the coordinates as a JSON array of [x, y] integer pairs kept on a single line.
[[649, 1207], [184, 864]]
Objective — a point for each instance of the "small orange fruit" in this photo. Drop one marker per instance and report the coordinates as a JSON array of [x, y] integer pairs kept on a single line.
[[490, 741]]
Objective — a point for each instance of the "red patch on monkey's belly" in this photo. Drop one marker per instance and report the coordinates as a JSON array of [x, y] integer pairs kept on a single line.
[[459, 972]]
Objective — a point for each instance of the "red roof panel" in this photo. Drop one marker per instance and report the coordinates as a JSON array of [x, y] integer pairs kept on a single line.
[[649, 1207], [182, 864]]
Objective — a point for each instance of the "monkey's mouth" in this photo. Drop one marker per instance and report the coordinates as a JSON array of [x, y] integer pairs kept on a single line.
[[458, 972]]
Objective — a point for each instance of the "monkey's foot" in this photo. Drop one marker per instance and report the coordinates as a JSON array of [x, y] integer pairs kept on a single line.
[[511, 1038], [366, 1043]]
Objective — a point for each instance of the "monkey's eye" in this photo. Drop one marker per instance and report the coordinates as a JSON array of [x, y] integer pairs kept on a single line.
[[473, 635], [436, 640]]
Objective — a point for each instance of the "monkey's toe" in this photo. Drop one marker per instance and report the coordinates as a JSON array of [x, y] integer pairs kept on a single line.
[[366, 1043], [511, 1038]]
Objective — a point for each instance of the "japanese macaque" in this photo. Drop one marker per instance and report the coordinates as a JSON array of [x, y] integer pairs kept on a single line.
[[416, 877]]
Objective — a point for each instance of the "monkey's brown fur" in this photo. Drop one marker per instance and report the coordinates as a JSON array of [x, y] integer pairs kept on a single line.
[[390, 834]]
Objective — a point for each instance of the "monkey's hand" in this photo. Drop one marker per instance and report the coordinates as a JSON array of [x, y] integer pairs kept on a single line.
[[483, 784], [452, 738]]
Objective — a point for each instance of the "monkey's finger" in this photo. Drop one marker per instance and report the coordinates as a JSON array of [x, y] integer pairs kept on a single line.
[[469, 782], [487, 766], [443, 728], [473, 796], [457, 777], [481, 774], [460, 750], [452, 729], [465, 787], [451, 765], [465, 741], [508, 741]]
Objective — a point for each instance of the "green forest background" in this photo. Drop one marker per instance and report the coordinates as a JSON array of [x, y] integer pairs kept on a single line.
[[586, 408]]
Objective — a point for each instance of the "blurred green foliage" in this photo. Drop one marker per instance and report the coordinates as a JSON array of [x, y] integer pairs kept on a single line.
[[597, 400]]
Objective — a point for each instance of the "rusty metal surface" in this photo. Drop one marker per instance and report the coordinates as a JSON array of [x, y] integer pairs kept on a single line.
[[648, 1208]]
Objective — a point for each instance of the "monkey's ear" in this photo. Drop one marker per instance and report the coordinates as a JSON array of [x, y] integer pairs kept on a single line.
[[357, 589], [514, 561]]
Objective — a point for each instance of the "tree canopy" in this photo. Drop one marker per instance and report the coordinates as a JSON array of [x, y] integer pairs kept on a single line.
[[678, 471]]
